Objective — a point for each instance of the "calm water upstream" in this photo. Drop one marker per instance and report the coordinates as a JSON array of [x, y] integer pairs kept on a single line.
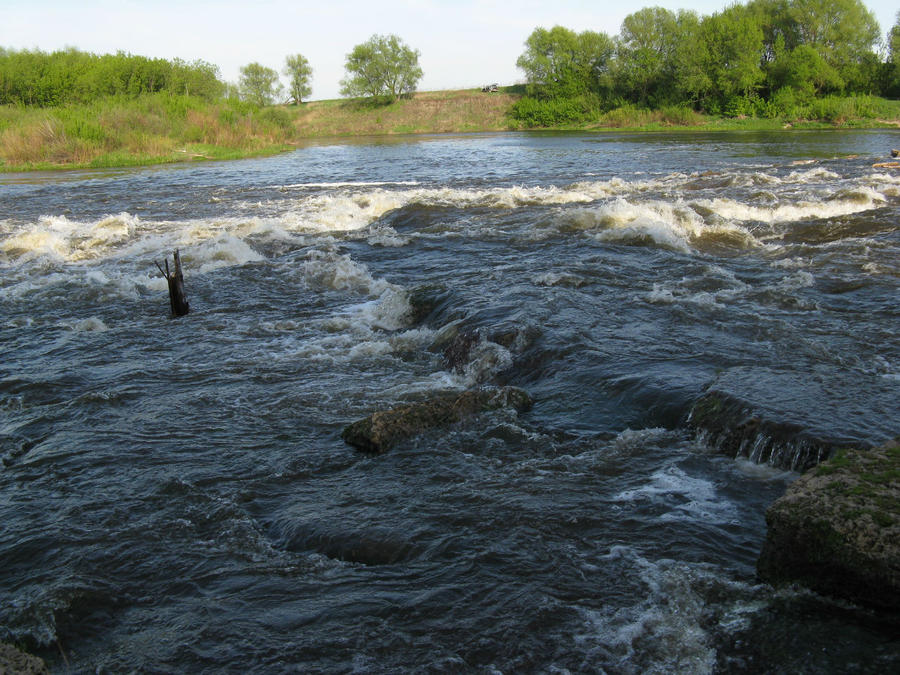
[[175, 495]]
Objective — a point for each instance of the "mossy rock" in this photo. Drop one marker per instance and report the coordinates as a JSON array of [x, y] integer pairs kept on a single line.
[[15, 661], [837, 529], [384, 429]]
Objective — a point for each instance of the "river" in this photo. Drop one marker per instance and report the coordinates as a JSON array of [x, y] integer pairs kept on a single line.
[[175, 495]]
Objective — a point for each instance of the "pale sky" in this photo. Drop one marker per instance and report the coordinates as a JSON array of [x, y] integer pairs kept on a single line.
[[463, 43]]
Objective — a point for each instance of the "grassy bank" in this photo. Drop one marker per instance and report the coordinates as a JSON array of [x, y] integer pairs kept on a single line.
[[153, 129], [163, 128], [426, 112]]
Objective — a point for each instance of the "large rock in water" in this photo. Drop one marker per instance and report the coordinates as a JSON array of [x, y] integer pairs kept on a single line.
[[381, 430], [837, 529]]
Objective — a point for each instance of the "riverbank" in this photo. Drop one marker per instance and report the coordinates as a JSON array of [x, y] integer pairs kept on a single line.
[[162, 128]]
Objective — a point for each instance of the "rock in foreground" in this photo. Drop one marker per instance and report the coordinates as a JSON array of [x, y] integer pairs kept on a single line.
[[837, 529], [381, 430], [17, 662]]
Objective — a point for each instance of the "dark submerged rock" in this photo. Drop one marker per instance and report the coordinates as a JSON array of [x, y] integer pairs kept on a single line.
[[837, 529], [458, 352], [382, 430], [427, 300], [374, 546]]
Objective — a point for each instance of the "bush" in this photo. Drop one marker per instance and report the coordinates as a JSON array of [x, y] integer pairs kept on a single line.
[[534, 112], [278, 117]]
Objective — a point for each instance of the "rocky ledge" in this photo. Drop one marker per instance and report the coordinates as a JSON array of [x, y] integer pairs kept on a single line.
[[382, 430], [837, 529]]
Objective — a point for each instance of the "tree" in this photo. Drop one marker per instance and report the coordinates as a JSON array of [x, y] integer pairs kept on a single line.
[[259, 84], [805, 71], [383, 66], [843, 32], [892, 67], [894, 43], [560, 63], [298, 70], [732, 52], [646, 51]]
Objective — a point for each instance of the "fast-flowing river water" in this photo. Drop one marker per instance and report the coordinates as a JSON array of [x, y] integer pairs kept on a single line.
[[175, 495]]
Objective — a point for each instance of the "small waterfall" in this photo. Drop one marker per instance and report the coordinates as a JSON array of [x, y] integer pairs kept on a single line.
[[732, 427]]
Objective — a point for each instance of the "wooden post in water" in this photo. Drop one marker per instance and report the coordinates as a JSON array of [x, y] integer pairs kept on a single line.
[[177, 299]]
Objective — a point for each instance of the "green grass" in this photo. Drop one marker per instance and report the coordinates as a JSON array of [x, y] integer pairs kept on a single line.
[[157, 128]]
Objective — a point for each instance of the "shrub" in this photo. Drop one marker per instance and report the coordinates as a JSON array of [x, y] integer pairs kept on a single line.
[[534, 112], [277, 117]]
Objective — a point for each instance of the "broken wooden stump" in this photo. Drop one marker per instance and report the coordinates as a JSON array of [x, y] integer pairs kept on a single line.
[[177, 300]]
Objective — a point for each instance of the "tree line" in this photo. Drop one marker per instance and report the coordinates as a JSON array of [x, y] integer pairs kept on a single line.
[[69, 76], [761, 58], [383, 67]]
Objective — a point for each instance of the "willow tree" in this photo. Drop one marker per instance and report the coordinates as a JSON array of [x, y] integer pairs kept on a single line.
[[649, 52], [299, 72], [731, 53], [259, 84], [382, 67], [560, 63]]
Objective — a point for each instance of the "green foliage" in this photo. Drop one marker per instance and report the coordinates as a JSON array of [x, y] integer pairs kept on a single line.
[[36, 78], [561, 63], [804, 70], [383, 67], [891, 73], [259, 84], [549, 112], [298, 70], [277, 117], [765, 58], [647, 52]]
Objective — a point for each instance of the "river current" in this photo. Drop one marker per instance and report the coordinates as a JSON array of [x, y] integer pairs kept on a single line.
[[175, 495]]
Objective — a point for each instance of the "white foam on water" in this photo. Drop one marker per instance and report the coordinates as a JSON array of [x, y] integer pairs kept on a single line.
[[558, 279], [64, 240], [387, 236], [223, 251], [342, 211], [111, 230], [375, 326], [343, 184], [335, 271], [663, 632], [685, 497], [796, 281], [817, 175], [389, 312], [486, 360], [762, 472], [661, 295], [49, 237], [847, 203], [91, 324], [637, 439], [354, 209], [791, 263], [674, 225]]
